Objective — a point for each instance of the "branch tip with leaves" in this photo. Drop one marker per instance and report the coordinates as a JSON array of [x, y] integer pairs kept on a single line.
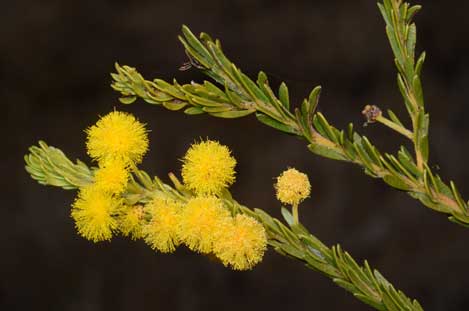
[[236, 95]]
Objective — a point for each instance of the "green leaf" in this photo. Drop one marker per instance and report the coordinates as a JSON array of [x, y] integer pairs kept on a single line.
[[459, 222], [394, 118], [327, 128], [158, 96], [314, 99], [419, 65], [326, 152], [223, 62], [428, 202], [422, 134], [174, 105], [408, 162], [396, 182], [170, 89], [345, 285], [323, 267], [458, 197], [417, 86], [287, 216], [363, 155], [275, 124], [412, 11], [395, 47], [284, 96], [253, 88], [350, 131], [384, 14], [220, 108], [214, 91], [267, 220], [203, 101], [261, 78], [196, 45], [232, 114], [371, 151], [194, 111], [127, 100], [234, 98], [443, 187], [403, 89], [411, 40], [369, 301]]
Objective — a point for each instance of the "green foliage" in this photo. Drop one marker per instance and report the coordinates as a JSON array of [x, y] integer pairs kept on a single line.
[[237, 96], [48, 165]]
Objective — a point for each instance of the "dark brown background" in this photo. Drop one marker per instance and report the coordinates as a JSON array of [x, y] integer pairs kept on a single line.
[[55, 60]]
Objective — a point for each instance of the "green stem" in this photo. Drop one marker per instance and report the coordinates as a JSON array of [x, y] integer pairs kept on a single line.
[[296, 218]]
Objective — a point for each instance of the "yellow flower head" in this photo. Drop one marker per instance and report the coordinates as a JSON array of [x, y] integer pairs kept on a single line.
[[203, 219], [161, 233], [112, 176], [242, 244], [130, 221], [93, 212], [117, 135], [208, 168], [292, 187]]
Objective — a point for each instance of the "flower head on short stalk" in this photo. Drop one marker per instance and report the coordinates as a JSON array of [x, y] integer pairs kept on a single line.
[[292, 187]]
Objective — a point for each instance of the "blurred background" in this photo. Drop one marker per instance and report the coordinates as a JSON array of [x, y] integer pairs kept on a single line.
[[55, 60]]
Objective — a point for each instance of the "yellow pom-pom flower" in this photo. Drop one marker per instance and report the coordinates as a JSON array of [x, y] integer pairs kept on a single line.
[[242, 244], [292, 187], [203, 219], [161, 233], [130, 221], [93, 212], [112, 176], [117, 135], [208, 168]]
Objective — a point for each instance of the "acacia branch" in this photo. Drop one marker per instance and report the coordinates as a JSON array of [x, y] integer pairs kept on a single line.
[[292, 240], [239, 96]]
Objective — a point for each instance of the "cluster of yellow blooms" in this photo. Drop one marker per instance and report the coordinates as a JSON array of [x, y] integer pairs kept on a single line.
[[118, 142]]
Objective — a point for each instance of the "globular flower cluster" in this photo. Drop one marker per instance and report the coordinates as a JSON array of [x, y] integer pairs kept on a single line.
[[93, 212], [208, 168], [204, 224], [117, 135], [292, 187], [241, 243], [204, 219]]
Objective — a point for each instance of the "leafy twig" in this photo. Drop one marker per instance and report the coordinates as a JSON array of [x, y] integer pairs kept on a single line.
[[240, 96], [402, 35], [46, 165]]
